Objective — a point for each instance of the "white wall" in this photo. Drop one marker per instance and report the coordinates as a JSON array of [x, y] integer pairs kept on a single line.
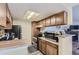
[[69, 22], [75, 14], [26, 28]]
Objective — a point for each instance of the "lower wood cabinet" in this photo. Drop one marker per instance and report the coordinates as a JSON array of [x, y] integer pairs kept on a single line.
[[43, 45], [40, 45], [48, 48], [51, 49]]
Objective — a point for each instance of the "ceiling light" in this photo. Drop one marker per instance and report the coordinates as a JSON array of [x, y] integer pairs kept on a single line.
[[30, 14]]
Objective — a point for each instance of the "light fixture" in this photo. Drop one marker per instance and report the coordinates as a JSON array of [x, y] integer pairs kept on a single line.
[[30, 14]]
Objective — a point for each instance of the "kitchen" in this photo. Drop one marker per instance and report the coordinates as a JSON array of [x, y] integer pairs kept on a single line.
[[48, 34], [54, 37]]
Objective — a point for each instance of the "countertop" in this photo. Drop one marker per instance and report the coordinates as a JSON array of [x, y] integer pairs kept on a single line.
[[49, 40], [54, 41], [14, 43], [65, 35]]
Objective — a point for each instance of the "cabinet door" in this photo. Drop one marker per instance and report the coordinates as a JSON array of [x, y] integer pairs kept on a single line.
[[34, 29], [53, 20], [40, 45], [3, 21], [60, 19], [43, 23], [47, 22], [8, 18], [39, 23], [43, 44], [51, 49], [3, 14]]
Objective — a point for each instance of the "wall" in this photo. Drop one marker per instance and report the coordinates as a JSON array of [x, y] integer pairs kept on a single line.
[[26, 28], [75, 13], [69, 21]]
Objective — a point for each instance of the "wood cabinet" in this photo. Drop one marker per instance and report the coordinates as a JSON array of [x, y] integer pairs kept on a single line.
[[43, 45], [47, 22], [35, 30], [53, 19], [3, 21], [40, 45], [51, 49], [39, 23], [8, 18], [43, 23], [5, 16], [61, 18], [48, 48]]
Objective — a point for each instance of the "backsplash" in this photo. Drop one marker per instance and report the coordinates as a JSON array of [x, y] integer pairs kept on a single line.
[[54, 28]]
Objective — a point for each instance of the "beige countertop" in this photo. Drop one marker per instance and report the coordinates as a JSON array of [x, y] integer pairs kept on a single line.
[[14, 43], [53, 41], [49, 40], [65, 35]]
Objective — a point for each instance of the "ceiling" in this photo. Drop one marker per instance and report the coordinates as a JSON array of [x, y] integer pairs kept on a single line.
[[44, 9]]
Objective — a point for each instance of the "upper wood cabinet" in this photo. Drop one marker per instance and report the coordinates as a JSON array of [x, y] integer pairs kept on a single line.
[[47, 22], [2, 14], [53, 19], [5, 16], [43, 23], [39, 23], [8, 18], [61, 18], [35, 29]]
